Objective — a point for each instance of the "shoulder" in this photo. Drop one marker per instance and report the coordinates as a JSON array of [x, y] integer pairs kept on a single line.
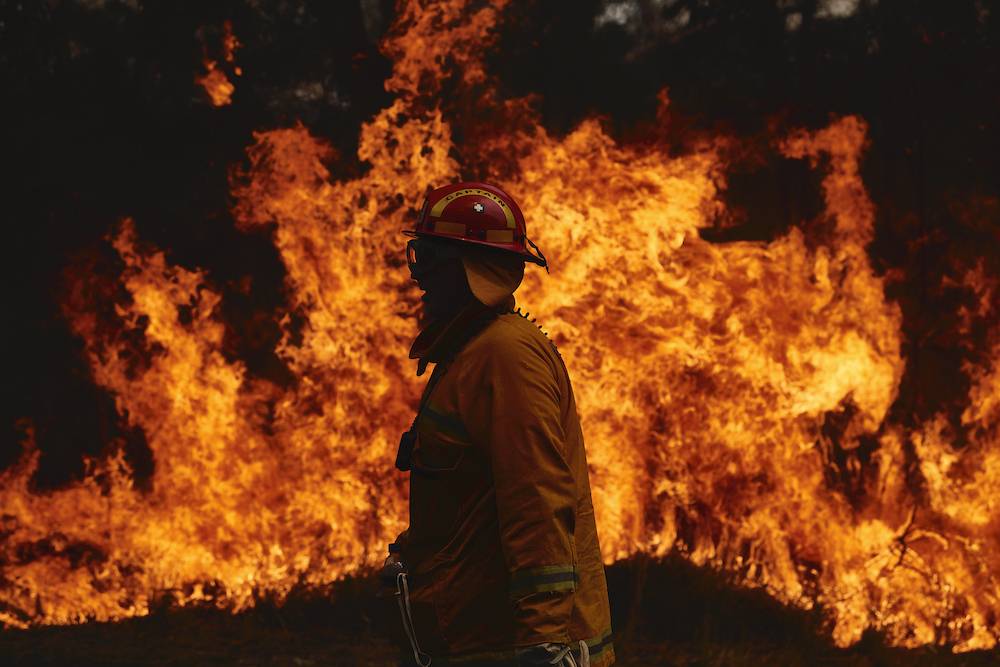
[[512, 336]]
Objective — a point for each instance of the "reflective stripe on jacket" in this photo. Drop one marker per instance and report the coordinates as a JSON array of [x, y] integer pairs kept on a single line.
[[502, 546]]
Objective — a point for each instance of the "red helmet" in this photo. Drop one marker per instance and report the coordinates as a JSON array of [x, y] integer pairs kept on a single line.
[[477, 213]]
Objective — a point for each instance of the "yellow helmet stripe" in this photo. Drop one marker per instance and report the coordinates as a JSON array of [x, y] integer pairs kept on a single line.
[[447, 199]]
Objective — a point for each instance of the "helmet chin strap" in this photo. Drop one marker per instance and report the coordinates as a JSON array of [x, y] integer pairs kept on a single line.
[[545, 262]]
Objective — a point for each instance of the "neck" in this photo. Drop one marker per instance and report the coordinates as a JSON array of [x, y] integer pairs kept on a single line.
[[442, 338]]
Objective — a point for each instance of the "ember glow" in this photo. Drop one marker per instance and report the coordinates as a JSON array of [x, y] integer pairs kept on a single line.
[[725, 388], [214, 80]]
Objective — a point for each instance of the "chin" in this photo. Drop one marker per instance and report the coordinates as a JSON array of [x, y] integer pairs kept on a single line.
[[427, 314]]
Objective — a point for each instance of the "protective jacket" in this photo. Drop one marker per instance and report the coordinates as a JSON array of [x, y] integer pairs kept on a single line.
[[502, 548]]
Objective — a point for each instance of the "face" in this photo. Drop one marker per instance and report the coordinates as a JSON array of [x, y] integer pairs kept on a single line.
[[437, 268]]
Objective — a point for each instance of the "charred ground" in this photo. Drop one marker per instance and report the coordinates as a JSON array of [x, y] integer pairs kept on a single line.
[[664, 612]]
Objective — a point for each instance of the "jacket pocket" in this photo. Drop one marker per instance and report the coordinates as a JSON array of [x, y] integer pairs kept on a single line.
[[432, 459], [436, 492], [473, 607]]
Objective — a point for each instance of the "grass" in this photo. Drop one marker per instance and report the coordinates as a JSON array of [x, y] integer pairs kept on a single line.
[[665, 613]]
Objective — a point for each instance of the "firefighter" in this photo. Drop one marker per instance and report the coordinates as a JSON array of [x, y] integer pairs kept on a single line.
[[500, 565]]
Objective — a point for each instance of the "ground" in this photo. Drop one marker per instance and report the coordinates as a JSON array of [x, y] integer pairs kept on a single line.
[[665, 613]]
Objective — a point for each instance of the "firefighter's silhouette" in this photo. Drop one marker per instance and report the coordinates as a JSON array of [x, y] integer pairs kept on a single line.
[[500, 564]]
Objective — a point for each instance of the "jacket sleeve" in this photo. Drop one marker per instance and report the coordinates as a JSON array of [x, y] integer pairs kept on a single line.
[[535, 490]]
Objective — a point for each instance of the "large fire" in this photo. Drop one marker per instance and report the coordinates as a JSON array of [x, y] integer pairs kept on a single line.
[[734, 396]]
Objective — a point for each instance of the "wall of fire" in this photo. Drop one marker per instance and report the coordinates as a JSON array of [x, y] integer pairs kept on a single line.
[[775, 230]]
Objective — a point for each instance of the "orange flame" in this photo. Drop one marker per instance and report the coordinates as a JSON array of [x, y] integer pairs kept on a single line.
[[215, 82], [717, 383]]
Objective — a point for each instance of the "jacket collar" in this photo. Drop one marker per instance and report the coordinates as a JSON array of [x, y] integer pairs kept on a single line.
[[442, 338]]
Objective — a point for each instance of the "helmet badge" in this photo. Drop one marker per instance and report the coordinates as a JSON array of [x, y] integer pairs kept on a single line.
[[478, 207]]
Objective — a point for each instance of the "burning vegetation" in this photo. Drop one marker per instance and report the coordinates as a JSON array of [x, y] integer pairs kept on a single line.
[[215, 82], [785, 373]]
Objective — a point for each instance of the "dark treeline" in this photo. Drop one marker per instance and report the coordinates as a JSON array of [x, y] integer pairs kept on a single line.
[[104, 121]]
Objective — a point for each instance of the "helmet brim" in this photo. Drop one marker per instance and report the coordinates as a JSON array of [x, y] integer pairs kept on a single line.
[[526, 256]]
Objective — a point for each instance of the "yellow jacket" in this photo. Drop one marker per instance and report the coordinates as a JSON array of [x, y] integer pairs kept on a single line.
[[502, 547]]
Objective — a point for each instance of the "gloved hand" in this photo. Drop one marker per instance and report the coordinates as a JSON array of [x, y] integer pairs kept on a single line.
[[392, 566], [386, 607], [546, 655]]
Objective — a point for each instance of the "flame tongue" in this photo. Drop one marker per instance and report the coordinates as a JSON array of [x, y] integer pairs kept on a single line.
[[214, 80], [734, 396]]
